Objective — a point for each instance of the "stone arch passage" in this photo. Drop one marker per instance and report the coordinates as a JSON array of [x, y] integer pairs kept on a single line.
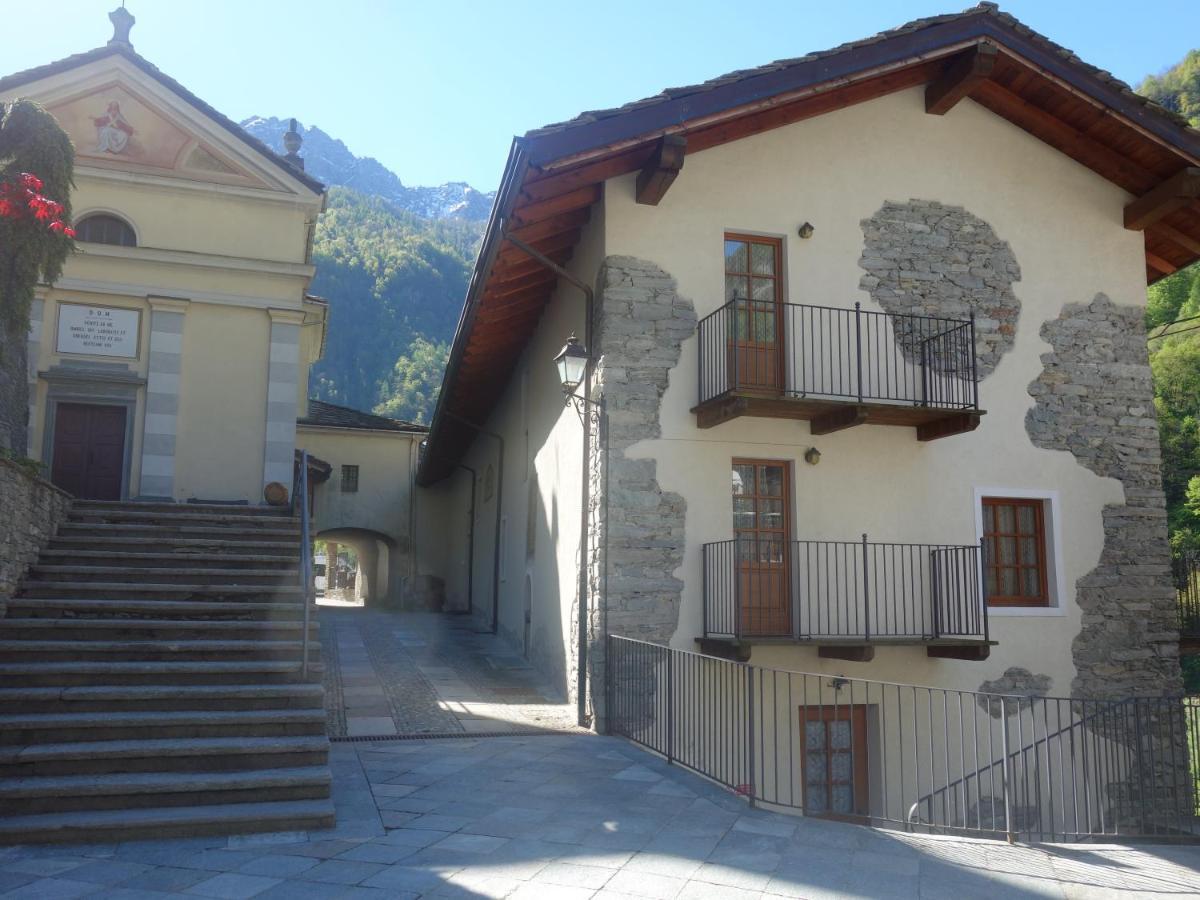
[[378, 579]]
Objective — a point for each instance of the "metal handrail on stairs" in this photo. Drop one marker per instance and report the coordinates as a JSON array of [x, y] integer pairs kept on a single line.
[[300, 495]]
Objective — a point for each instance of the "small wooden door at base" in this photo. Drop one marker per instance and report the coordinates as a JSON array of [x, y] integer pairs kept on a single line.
[[835, 761], [89, 450]]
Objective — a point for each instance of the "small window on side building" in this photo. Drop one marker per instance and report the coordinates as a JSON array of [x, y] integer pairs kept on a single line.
[[349, 479], [1015, 552]]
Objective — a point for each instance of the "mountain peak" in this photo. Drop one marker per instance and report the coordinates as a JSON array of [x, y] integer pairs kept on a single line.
[[331, 161]]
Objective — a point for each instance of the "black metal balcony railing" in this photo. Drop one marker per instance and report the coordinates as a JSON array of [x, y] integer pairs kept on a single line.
[[1186, 568], [844, 590], [854, 355]]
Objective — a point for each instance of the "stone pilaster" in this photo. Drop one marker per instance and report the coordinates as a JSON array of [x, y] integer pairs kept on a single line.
[[283, 387], [1095, 399], [37, 312], [637, 528], [163, 374]]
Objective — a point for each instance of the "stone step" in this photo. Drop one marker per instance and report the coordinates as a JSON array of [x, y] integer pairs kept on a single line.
[[180, 519], [40, 574], [87, 608], [131, 651], [197, 559], [167, 822], [152, 506], [167, 697], [50, 728], [145, 629], [136, 790], [213, 754], [166, 533], [167, 543], [157, 589], [39, 673]]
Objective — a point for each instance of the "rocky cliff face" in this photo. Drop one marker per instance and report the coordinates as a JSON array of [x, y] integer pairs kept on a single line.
[[331, 161]]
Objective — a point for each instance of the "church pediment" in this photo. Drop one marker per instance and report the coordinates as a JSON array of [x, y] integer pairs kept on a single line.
[[117, 126]]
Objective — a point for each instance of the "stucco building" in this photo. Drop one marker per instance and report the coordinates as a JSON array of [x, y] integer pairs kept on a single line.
[[171, 359], [866, 326]]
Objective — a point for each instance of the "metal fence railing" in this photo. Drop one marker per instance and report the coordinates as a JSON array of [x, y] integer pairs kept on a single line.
[[787, 349], [905, 756], [1186, 569], [300, 506], [761, 586]]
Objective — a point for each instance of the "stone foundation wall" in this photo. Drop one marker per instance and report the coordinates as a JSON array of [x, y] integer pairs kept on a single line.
[[636, 528], [926, 259], [33, 509], [1095, 399]]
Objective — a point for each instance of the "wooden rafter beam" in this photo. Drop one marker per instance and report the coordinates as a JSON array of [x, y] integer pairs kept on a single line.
[[660, 171], [1058, 134], [1159, 264], [565, 222], [1176, 192], [545, 209], [1177, 237], [963, 74]]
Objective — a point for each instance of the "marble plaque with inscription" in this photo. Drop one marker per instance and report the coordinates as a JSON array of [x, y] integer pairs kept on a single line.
[[97, 330]]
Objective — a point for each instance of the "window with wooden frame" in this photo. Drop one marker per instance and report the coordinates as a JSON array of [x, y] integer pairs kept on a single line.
[[349, 479], [1015, 552]]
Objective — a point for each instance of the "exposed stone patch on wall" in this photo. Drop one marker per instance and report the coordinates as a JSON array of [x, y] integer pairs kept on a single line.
[[923, 258], [1015, 681], [33, 509], [640, 323], [1095, 398]]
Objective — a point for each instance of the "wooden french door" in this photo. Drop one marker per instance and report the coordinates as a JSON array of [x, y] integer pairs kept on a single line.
[[753, 288], [835, 761], [89, 450], [762, 527]]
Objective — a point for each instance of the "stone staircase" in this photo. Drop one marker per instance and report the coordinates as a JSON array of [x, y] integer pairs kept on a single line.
[[151, 680]]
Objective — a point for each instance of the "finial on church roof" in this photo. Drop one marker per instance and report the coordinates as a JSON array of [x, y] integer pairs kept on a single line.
[[122, 20], [291, 143]]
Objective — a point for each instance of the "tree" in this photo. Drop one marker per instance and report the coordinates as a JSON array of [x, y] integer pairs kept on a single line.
[[37, 163], [413, 386]]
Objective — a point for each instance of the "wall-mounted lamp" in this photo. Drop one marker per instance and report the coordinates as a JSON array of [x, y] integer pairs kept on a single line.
[[572, 363], [838, 682], [806, 230], [812, 456]]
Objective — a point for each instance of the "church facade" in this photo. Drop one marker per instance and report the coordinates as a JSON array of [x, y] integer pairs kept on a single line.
[[171, 359]]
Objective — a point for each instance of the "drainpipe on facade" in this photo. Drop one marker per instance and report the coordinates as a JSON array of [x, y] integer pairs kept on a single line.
[[585, 492], [470, 543], [499, 507]]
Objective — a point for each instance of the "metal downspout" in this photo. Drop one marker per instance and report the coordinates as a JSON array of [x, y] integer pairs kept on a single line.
[[499, 507], [470, 544]]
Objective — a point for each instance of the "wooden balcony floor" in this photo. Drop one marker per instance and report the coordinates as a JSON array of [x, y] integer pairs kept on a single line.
[[853, 649], [830, 415]]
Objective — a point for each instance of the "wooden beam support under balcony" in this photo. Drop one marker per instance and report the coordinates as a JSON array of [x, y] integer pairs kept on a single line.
[[976, 652], [948, 426], [724, 649], [1178, 191], [837, 420], [848, 652], [660, 171], [963, 74]]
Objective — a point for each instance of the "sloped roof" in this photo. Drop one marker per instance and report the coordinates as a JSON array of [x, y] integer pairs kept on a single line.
[[17, 79], [555, 174], [330, 415]]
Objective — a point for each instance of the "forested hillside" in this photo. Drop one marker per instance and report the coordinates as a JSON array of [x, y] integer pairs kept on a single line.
[[395, 283], [1175, 357]]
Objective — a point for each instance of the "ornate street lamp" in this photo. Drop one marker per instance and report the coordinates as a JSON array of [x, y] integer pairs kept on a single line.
[[572, 363]]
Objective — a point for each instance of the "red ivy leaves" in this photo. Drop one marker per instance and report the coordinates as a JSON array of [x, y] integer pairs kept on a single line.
[[22, 198]]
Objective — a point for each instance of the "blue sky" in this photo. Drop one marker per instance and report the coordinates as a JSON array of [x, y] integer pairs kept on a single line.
[[436, 90]]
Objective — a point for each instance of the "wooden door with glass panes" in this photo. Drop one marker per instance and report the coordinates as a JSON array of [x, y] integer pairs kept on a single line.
[[753, 294], [762, 527], [835, 761]]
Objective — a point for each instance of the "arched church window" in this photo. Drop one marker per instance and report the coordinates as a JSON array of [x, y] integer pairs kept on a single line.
[[105, 229]]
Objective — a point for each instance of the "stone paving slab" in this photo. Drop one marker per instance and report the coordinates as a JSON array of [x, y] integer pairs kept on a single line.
[[564, 816]]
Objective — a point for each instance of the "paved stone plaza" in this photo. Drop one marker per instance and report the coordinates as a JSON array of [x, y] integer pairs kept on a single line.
[[559, 814]]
